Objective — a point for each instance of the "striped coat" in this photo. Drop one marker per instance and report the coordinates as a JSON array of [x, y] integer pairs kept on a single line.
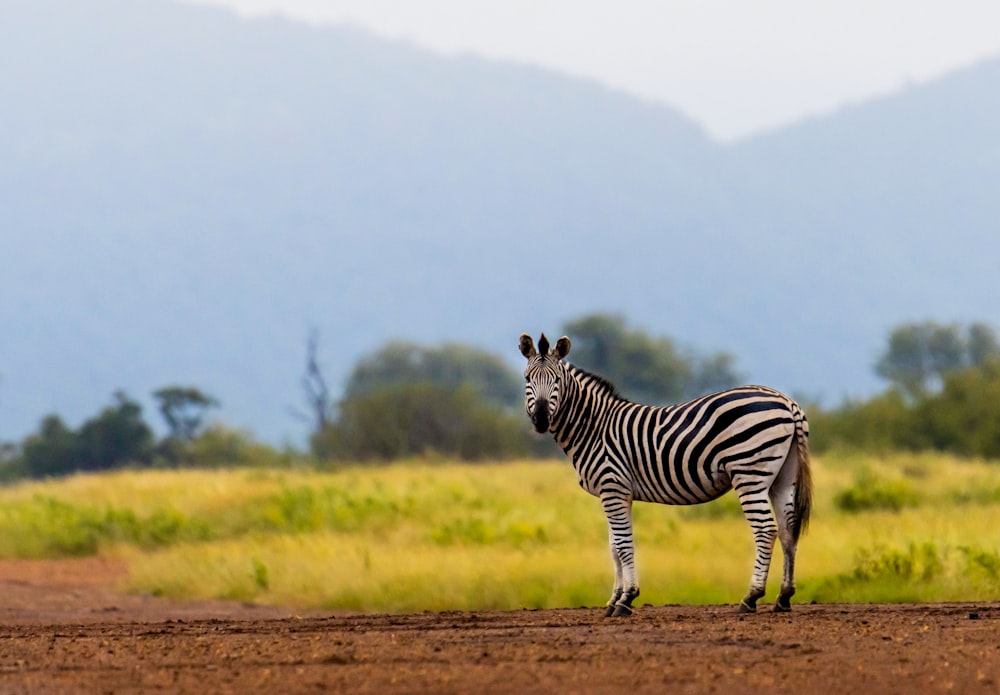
[[751, 439]]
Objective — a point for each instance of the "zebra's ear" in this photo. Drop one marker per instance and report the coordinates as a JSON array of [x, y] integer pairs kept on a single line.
[[562, 347], [527, 346]]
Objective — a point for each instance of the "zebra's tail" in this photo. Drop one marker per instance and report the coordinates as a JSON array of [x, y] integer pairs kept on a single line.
[[803, 484]]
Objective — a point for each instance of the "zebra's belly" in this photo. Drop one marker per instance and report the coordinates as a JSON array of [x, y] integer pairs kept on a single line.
[[679, 498], [666, 487]]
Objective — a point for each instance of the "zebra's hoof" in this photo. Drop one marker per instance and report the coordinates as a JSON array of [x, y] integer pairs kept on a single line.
[[745, 607], [783, 605], [609, 610], [779, 608], [621, 611]]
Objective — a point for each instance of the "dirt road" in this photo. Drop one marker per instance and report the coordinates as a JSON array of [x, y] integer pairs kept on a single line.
[[64, 629]]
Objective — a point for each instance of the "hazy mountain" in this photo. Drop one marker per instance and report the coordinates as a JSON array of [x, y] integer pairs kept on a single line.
[[183, 193], [889, 211]]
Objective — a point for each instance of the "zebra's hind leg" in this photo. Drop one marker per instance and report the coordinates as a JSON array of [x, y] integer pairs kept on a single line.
[[753, 494], [782, 496]]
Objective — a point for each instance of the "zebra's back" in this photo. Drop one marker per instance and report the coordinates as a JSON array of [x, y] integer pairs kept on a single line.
[[688, 453]]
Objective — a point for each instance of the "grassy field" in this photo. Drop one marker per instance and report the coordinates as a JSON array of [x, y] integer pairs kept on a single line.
[[433, 536]]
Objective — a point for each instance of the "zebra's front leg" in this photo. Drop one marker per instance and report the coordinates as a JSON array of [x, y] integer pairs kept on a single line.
[[757, 509], [617, 590], [618, 510]]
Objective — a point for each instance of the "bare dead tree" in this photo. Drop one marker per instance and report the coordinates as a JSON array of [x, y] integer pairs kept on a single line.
[[314, 383]]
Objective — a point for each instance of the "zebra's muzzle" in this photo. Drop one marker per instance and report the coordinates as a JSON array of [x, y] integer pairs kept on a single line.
[[540, 418]]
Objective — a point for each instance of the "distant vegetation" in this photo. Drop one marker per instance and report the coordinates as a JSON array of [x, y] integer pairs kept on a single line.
[[646, 368], [407, 400], [459, 402], [403, 400], [945, 396], [120, 437]]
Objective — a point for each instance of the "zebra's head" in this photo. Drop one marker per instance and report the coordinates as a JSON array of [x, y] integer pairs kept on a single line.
[[542, 379]]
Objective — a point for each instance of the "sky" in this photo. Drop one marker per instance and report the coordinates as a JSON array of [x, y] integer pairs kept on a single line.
[[735, 67]]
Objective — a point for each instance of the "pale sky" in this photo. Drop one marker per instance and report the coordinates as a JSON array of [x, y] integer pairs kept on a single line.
[[734, 66]]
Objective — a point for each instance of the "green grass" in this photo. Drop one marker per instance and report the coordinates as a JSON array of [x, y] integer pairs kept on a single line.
[[434, 536]]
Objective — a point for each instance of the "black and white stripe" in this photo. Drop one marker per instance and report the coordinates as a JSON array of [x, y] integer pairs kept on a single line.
[[751, 439]]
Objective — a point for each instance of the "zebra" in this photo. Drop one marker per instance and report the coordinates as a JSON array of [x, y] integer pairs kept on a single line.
[[752, 439]]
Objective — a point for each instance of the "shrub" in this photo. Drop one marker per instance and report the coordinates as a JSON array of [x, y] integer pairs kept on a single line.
[[884, 423], [985, 561], [921, 562], [220, 446], [870, 492]]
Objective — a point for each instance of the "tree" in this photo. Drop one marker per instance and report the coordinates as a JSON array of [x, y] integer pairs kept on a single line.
[[982, 345], [318, 396], [920, 355], [115, 437], [406, 399], [645, 368], [413, 419], [184, 409], [52, 451], [964, 416], [712, 373], [450, 365]]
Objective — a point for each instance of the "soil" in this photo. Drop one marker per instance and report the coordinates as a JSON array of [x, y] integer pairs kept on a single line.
[[65, 628]]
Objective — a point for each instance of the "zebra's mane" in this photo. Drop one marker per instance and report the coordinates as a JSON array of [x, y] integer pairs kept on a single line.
[[596, 380]]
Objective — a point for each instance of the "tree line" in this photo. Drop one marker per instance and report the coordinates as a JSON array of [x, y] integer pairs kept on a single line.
[[458, 401], [407, 400], [403, 400], [116, 437], [943, 395]]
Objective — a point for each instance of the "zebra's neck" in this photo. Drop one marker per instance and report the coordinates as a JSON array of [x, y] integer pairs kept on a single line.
[[587, 398], [595, 385]]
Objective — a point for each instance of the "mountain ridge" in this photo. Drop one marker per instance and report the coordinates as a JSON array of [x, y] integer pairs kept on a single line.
[[187, 205]]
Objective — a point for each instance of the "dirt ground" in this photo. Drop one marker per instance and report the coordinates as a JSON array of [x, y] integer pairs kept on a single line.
[[65, 629]]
